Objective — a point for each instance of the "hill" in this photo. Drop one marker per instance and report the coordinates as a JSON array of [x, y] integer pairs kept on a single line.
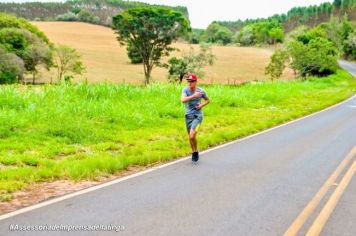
[[310, 16], [103, 9], [107, 60]]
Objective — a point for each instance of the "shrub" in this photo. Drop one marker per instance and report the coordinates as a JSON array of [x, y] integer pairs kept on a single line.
[[29, 47], [191, 62], [9, 21], [69, 16], [11, 67], [278, 63], [246, 36], [318, 57]]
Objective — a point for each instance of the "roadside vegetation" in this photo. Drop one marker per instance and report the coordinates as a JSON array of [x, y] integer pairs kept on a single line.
[[83, 131]]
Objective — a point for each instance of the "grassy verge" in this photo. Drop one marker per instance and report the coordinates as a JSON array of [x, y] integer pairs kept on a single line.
[[84, 131]]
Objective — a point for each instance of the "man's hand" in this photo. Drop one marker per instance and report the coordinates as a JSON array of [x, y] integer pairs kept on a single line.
[[197, 94], [198, 106]]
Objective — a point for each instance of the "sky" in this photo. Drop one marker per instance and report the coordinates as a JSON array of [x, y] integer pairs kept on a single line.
[[203, 12]]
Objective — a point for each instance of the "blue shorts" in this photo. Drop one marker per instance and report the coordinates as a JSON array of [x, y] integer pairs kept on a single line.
[[193, 121]]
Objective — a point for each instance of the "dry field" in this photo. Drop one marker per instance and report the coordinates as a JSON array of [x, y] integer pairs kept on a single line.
[[106, 60]]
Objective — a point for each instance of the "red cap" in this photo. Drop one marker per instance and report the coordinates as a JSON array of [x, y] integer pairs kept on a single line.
[[192, 77]]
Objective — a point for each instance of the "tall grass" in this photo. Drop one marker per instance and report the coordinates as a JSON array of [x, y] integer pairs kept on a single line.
[[84, 131]]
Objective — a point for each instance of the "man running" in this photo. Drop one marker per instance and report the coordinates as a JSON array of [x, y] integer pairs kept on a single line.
[[192, 96]]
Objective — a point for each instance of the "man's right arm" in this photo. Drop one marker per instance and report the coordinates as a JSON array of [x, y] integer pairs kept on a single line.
[[186, 98]]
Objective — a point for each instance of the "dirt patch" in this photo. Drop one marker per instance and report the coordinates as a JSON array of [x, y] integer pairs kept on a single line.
[[4, 167], [40, 192]]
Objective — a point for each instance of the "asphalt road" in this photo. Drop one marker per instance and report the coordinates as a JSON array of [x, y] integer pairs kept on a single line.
[[349, 66], [257, 186]]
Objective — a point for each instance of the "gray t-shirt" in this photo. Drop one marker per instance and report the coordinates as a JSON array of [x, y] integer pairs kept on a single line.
[[190, 106]]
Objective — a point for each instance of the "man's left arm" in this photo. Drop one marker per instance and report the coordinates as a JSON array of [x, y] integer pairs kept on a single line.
[[206, 102]]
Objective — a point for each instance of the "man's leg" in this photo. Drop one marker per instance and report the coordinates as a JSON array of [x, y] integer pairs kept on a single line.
[[194, 143], [191, 142], [192, 128], [188, 122], [193, 139]]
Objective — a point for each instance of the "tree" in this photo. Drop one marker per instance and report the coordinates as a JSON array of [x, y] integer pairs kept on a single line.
[[67, 61], [223, 36], [209, 34], [178, 68], [195, 36], [11, 67], [277, 65], [133, 54], [28, 46], [69, 16], [276, 35], [337, 3], [191, 62], [78, 14], [261, 32], [85, 15], [350, 47], [338, 31], [317, 32], [10, 21], [333, 31], [76, 10], [246, 36], [317, 57], [150, 30], [346, 28], [215, 33], [14, 40], [295, 33], [346, 4], [35, 55]]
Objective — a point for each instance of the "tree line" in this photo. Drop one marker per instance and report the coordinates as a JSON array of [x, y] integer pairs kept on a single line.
[[92, 11], [24, 49], [310, 15], [314, 51], [273, 29], [259, 32]]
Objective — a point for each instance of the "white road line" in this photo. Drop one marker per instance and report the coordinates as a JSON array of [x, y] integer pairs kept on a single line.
[[90, 189]]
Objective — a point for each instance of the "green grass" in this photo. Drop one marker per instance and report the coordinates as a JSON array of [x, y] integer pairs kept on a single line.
[[88, 130]]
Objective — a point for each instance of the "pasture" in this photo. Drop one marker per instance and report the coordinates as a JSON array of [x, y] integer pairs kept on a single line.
[[106, 60]]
